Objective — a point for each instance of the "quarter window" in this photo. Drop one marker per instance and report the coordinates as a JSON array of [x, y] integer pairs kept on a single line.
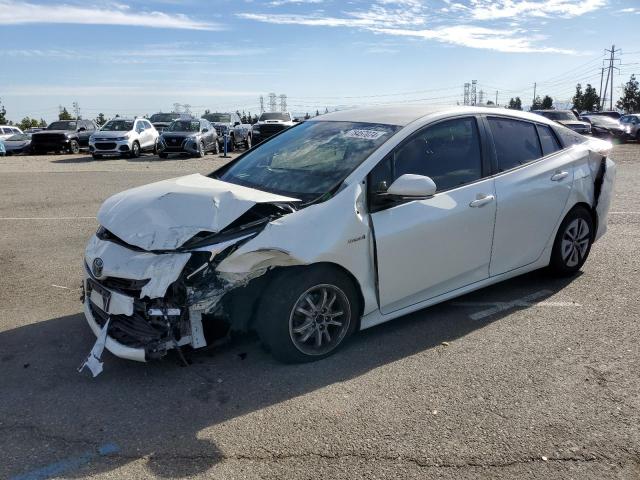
[[548, 140], [516, 142], [448, 152]]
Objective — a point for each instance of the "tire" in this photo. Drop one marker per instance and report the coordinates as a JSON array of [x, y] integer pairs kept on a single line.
[[573, 242], [247, 142], [230, 144], [216, 148], [74, 147], [638, 136], [155, 148], [202, 151], [135, 150], [281, 325], [97, 156], [163, 155]]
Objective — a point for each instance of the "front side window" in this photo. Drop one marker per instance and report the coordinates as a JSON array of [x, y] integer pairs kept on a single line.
[[118, 126], [516, 142], [548, 140], [309, 160], [275, 116]]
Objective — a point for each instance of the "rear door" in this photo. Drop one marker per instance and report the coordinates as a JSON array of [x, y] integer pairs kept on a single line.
[[425, 248], [534, 180]]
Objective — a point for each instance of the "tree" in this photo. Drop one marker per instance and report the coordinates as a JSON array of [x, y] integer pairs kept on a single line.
[[630, 99], [590, 99], [65, 115], [490, 103], [27, 122], [207, 112], [537, 104], [317, 113], [547, 103], [515, 104], [578, 98], [307, 116], [3, 114], [326, 110], [42, 123], [100, 120]]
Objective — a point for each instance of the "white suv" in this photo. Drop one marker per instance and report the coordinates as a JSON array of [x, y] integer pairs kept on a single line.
[[7, 131], [124, 136]]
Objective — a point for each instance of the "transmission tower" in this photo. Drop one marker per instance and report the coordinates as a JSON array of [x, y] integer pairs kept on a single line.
[[466, 93], [187, 108], [176, 108], [474, 97], [481, 97], [609, 83], [283, 103], [261, 104], [76, 109], [272, 102]]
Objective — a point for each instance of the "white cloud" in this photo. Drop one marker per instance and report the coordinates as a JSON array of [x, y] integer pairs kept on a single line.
[[14, 12], [119, 91], [500, 9], [474, 23], [279, 3]]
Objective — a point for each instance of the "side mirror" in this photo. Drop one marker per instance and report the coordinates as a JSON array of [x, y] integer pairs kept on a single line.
[[205, 130], [412, 186], [82, 129]]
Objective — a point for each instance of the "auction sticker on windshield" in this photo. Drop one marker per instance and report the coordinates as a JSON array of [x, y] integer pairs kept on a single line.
[[365, 134]]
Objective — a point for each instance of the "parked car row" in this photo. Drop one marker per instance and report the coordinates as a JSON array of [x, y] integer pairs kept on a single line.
[[609, 125]]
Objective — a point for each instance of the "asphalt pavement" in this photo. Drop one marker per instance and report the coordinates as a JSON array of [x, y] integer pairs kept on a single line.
[[532, 378]]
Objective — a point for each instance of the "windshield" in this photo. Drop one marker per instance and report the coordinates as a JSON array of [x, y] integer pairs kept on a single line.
[[275, 116], [64, 125], [164, 117], [184, 126], [308, 160], [601, 120], [118, 126], [559, 115], [218, 117]]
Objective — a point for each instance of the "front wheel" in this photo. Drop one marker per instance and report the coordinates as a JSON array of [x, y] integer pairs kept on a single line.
[[135, 150], [74, 147], [573, 242], [163, 155], [308, 313], [201, 150], [248, 142]]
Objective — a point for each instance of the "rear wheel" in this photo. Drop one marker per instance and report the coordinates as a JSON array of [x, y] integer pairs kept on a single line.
[[216, 148], [308, 313], [74, 147], [573, 242]]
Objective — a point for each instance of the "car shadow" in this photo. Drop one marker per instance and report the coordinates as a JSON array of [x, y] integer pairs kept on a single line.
[[158, 411]]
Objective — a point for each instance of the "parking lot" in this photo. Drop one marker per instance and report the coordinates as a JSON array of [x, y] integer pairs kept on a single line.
[[531, 378]]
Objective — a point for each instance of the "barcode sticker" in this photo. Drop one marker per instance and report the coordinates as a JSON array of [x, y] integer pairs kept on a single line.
[[365, 134]]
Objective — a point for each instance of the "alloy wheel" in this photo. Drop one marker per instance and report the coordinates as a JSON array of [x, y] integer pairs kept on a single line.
[[575, 242], [319, 319]]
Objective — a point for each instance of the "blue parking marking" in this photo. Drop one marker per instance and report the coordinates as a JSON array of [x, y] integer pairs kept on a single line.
[[68, 464]]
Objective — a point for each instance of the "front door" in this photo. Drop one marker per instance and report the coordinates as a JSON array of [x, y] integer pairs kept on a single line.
[[426, 248]]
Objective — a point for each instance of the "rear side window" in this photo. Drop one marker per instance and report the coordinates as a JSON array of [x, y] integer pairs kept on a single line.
[[548, 140], [516, 142]]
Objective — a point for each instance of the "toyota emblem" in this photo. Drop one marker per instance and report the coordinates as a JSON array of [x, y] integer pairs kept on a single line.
[[97, 266]]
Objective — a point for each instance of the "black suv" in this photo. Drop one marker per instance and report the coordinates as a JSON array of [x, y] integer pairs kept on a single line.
[[63, 136], [192, 136]]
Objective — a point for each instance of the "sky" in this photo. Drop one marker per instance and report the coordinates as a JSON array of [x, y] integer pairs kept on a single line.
[[142, 56]]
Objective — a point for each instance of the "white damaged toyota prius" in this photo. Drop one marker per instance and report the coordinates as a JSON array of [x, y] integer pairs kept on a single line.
[[341, 223]]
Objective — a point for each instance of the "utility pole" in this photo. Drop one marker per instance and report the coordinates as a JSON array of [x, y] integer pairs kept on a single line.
[[283, 103], [481, 96], [261, 104], [76, 110], [600, 91], [535, 87], [466, 93], [496, 98]]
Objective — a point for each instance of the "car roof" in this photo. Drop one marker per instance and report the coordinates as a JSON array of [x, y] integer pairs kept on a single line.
[[404, 114]]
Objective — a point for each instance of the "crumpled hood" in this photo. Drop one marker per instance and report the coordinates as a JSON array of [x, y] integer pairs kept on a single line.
[[164, 215]]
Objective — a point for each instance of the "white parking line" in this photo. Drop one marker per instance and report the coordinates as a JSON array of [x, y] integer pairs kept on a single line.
[[526, 301], [47, 218], [624, 213]]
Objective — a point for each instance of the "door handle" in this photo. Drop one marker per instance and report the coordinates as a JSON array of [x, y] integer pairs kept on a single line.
[[482, 200], [556, 177]]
